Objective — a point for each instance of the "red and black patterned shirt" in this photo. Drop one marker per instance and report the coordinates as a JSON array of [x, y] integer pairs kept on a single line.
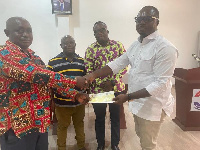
[[24, 91]]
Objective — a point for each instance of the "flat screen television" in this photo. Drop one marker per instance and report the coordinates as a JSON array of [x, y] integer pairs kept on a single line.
[[61, 7]]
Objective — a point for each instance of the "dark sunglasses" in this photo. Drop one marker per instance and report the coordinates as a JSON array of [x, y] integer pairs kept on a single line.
[[146, 19]]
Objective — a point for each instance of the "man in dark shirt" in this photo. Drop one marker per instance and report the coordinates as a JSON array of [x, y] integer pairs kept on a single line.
[[69, 64]]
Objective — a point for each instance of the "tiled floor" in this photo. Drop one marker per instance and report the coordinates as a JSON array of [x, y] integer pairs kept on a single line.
[[171, 136]]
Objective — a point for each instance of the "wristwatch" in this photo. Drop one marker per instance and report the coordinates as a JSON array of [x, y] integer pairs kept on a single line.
[[129, 97]]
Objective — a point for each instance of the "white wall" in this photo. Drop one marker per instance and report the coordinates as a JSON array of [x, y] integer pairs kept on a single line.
[[179, 23], [47, 29]]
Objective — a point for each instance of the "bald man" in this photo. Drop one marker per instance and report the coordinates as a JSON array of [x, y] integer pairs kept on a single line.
[[24, 90], [69, 64], [152, 59]]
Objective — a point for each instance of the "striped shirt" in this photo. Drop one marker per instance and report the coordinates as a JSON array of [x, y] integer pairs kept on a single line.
[[62, 65]]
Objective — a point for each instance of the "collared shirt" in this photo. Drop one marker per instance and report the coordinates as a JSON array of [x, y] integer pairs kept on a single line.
[[24, 93], [152, 66], [97, 56], [73, 68]]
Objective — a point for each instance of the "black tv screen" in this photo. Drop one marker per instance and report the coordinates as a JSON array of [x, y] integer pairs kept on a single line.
[[63, 7]]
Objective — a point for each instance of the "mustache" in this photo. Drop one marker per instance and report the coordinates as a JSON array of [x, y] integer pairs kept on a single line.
[[25, 38]]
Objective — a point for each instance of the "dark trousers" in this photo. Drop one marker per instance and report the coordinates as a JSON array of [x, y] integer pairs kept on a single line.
[[100, 112], [31, 141]]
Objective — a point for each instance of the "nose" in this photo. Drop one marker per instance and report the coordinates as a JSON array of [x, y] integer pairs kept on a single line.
[[99, 33], [142, 22], [25, 33], [70, 44]]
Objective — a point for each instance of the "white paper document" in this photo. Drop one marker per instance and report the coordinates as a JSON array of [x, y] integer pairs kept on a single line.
[[105, 97]]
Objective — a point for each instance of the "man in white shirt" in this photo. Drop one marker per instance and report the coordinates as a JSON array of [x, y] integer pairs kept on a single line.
[[152, 59]]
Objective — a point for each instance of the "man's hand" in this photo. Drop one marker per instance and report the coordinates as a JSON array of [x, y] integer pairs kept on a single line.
[[107, 86], [90, 77], [81, 83], [82, 98], [120, 99]]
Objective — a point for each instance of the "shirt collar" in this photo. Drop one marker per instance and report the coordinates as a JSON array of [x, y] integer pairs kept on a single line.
[[17, 48], [76, 56], [150, 37], [110, 42]]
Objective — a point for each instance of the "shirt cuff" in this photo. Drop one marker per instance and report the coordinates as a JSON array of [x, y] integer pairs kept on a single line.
[[154, 90], [113, 67]]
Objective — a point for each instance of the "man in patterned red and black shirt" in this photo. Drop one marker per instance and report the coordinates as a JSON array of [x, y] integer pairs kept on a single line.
[[24, 90]]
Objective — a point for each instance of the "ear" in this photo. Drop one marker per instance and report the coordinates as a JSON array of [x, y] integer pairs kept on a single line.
[[61, 45], [6, 31], [157, 22], [107, 31]]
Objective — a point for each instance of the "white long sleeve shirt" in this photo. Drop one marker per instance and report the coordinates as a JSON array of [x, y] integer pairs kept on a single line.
[[152, 66]]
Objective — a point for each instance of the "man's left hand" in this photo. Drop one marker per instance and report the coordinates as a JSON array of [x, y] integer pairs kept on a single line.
[[82, 98], [107, 86], [120, 99]]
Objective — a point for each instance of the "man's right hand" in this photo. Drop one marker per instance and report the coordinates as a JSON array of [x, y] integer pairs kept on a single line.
[[107, 86], [90, 77], [81, 83], [82, 98], [120, 99]]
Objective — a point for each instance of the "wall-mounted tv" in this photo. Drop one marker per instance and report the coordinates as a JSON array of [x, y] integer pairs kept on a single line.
[[62, 7]]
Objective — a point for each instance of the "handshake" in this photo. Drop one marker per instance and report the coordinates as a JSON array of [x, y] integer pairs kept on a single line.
[[83, 84]]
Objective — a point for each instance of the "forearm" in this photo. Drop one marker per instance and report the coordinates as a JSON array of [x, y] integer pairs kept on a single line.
[[35, 74], [138, 94], [120, 99], [117, 77], [103, 72]]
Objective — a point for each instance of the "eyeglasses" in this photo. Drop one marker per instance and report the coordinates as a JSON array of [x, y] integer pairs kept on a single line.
[[68, 43], [146, 19]]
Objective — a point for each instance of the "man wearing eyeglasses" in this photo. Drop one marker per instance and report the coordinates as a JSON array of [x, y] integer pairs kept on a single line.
[[152, 59], [97, 56]]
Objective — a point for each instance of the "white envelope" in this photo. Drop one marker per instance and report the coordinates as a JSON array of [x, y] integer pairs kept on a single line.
[[105, 97]]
